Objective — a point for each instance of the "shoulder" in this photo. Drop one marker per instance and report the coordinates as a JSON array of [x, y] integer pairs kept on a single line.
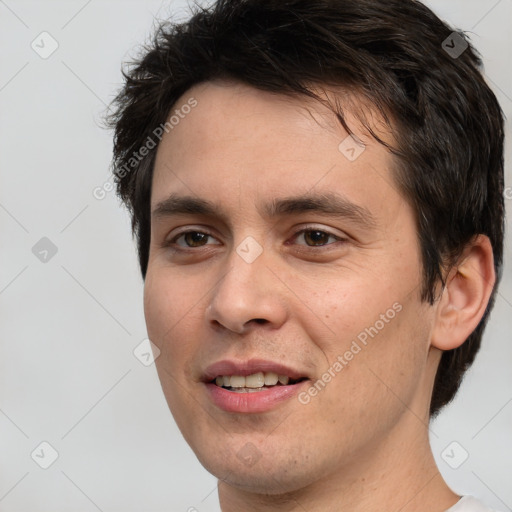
[[469, 504]]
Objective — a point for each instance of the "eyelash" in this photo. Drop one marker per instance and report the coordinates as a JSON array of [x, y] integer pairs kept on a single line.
[[172, 242]]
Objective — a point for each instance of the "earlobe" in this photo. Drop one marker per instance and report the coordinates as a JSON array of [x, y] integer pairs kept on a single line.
[[466, 295]]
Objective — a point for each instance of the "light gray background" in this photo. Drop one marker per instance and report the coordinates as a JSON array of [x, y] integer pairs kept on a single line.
[[69, 326]]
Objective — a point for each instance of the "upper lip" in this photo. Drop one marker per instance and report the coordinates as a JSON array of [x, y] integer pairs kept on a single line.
[[244, 368]]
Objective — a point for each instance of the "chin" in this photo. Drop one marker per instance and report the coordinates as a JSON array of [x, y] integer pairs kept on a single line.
[[256, 472]]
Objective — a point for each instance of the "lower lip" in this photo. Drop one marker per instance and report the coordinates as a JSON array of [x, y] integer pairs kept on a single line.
[[259, 401]]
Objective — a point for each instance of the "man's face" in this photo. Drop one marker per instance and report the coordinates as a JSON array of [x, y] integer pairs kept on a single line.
[[321, 294]]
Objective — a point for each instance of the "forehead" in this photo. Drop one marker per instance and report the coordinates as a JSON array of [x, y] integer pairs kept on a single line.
[[256, 143]]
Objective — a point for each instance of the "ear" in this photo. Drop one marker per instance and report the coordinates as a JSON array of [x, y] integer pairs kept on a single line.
[[466, 295]]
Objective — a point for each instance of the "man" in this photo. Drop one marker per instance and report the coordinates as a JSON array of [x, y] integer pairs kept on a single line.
[[316, 188]]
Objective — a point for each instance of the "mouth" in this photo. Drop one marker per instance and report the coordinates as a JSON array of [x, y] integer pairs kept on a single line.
[[252, 386], [255, 382]]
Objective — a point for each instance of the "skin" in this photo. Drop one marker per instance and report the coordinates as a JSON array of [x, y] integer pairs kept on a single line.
[[363, 440]]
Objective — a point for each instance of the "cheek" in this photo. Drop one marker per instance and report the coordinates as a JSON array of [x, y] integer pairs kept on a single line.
[[168, 314], [169, 311], [381, 333], [166, 300], [347, 310], [391, 366]]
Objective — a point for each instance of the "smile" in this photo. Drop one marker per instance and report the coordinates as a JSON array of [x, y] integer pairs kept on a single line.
[[253, 383]]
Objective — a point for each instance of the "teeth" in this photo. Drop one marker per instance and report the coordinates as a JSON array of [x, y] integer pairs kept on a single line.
[[271, 379], [237, 381], [247, 390], [254, 381]]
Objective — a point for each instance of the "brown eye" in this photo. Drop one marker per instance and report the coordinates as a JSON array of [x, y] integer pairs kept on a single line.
[[316, 237], [192, 239], [195, 239]]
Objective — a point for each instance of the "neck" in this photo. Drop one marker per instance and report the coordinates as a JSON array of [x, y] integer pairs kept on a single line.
[[397, 473]]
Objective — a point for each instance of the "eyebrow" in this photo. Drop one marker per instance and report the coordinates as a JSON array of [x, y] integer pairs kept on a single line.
[[327, 203]]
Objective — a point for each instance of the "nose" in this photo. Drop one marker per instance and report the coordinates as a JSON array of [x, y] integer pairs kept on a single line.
[[249, 294]]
